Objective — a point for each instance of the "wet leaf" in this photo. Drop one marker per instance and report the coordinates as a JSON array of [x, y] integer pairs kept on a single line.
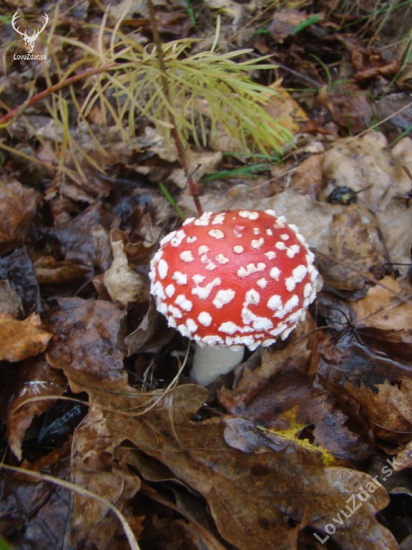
[[35, 380], [35, 514], [366, 383], [151, 333], [85, 346], [281, 384], [93, 186], [76, 237], [268, 481], [18, 269]]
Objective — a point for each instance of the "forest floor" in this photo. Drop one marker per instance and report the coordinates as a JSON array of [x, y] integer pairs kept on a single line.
[[122, 121]]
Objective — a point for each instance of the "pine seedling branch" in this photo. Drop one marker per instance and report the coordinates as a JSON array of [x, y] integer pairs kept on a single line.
[[188, 98]]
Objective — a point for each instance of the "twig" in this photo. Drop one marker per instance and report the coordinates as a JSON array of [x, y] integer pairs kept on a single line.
[[131, 539], [51, 89], [165, 85]]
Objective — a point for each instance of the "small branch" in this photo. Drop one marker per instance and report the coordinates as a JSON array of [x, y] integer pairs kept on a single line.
[[51, 89], [165, 85]]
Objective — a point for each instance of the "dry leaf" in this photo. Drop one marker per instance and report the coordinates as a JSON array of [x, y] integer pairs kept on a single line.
[[124, 285], [284, 23], [10, 302], [199, 163], [95, 467], [348, 105], [17, 210], [384, 177], [387, 306], [307, 176], [366, 162], [388, 410], [356, 251], [404, 458], [284, 109], [22, 339], [52, 272]]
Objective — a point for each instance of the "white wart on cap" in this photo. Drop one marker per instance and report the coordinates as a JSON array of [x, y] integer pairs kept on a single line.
[[236, 278]]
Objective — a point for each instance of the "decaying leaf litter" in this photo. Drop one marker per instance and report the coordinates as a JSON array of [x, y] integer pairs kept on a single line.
[[95, 389]]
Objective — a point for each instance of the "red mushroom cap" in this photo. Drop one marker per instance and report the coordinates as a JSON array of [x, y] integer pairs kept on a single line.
[[237, 278]]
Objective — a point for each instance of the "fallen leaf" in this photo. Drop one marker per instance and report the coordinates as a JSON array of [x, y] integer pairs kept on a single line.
[[284, 109], [267, 481], [404, 457], [280, 383], [199, 163], [35, 379], [387, 407], [395, 219], [187, 505], [92, 186], [85, 346], [124, 285], [99, 467], [307, 176], [18, 207], [49, 271], [387, 306], [22, 339], [356, 251], [366, 164], [284, 23], [27, 505], [348, 105], [10, 302], [372, 388], [395, 110], [151, 334], [18, 269], [76, 238]]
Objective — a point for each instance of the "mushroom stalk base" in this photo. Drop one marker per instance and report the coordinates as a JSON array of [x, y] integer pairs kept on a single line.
[[210, 362]]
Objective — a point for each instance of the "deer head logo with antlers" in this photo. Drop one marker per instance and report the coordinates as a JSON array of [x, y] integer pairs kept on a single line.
[[29, 40]]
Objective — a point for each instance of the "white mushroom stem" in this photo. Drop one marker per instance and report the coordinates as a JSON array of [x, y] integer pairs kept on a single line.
[[210, 362]]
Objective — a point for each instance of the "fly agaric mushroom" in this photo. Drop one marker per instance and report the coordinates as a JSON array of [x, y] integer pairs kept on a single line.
[[232, 279]]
